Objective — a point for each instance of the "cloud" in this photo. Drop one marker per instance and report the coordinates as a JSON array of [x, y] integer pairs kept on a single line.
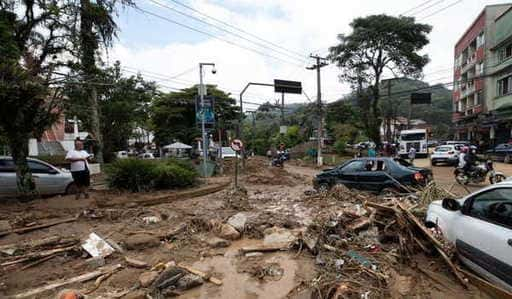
[[302, 26]]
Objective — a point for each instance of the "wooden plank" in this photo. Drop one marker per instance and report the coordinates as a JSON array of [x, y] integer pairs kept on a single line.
[[36, 227], [201, 274], [61, 283], [37, 255], [485, 286]]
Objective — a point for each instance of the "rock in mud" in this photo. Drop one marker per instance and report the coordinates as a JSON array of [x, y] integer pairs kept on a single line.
[[228, 232], [189, 281], [238, 221], [168, 277], [147, 278], [141, 241], [276, 236], [216, 242]]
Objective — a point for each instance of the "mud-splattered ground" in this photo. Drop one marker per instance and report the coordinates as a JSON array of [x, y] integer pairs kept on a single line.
[[274, 209]]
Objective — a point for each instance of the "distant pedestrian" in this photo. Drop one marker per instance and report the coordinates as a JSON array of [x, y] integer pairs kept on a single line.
[[79, 168], [371, 152], [412, 154]]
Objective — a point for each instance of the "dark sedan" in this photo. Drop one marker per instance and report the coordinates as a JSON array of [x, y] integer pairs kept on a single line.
[[373, 174], [502, 152]]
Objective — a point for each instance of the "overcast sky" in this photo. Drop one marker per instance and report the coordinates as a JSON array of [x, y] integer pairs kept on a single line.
[[299, 27]]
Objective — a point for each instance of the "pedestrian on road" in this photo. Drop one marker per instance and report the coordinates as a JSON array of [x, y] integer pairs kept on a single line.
[[371, 152], [79, 168], [412, 154]]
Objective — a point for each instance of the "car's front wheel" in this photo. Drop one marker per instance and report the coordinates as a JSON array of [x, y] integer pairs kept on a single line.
[[72, 189], [323, 187]]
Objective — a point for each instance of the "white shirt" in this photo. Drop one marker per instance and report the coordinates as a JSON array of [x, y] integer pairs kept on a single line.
[[78, 165], [462, 161]]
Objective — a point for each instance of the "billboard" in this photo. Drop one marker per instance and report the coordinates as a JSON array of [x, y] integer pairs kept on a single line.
[[285, 86], [207, 110]]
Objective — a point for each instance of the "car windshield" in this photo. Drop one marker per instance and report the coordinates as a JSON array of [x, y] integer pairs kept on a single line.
[[414, 136], [444, 149]]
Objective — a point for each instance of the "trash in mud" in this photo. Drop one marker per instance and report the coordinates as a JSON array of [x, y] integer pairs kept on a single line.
[[97, 247]]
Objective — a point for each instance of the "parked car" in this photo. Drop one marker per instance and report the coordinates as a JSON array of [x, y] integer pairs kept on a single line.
[[480, 227], [373, 174], [146, 156], [48, 179], [122, 155], [227, 152], [502, 152], [448, 154]]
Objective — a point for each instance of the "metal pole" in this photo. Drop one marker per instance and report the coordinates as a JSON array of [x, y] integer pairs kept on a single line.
[[203, 126], [282, 109], [321, 120]]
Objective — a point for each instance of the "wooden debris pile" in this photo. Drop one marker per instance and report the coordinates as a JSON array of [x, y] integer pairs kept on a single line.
[[358, 249]]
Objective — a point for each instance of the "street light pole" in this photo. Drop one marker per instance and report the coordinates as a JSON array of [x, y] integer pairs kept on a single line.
[[203, 115]]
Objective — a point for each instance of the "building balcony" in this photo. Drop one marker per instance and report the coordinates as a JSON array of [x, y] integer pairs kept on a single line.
[[467, 90]]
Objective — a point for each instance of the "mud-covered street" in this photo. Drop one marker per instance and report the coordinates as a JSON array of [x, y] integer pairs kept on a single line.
[[275, 238]]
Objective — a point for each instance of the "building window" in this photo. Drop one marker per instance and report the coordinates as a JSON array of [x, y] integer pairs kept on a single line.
[[505, 53], [480, 40], [479, 99], [480, 69], [505, 86]]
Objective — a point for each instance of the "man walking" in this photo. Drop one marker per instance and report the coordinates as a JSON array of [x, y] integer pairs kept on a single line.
[[79, 168], [412, 154]]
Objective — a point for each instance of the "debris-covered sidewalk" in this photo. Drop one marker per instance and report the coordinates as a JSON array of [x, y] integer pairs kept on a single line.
[[275, 238]]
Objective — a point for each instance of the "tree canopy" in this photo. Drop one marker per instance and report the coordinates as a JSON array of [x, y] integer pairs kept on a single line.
[[379, 43]]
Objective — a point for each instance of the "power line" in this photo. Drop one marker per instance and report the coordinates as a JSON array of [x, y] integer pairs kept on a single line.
[[214, 36], [236, 28], [441, 10], [428, 7], [224, 30], [416, 7]]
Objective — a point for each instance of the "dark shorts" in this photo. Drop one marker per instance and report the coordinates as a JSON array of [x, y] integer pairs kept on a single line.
[[81, 178]]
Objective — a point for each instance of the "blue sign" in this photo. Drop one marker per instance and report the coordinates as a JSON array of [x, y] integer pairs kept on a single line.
[[207, 110]]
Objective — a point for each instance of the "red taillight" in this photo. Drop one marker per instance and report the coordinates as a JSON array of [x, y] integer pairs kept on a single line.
[[418, 177]]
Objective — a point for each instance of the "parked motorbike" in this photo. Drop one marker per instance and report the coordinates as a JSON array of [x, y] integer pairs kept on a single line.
[[478, 174], [279, 161]]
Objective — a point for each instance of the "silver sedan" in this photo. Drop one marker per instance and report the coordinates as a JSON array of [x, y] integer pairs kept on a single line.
[[48, 179]]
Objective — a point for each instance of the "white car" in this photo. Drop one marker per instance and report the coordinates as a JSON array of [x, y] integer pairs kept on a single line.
[[147, 156], [448, 154], [480, 227], [48, 179], [227, 152]]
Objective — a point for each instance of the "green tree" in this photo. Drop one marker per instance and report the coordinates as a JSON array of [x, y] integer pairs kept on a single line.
[[31, 38], [378, 43], [173, 115], [123, 105], [93, 26]]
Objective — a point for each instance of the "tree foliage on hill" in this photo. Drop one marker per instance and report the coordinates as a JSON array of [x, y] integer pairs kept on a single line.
[[123, 104], [378, 43], [173, 114], [31, 38]]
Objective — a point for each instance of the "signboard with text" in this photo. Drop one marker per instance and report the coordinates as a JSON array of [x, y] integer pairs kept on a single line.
[[207, 110]]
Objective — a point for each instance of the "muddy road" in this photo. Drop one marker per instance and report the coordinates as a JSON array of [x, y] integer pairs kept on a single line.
[[248, 243]]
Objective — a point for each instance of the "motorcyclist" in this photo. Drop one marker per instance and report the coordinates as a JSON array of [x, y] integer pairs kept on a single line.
[[462, 157], [470, 158]]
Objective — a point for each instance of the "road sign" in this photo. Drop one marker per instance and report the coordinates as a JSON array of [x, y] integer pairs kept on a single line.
[[421, 98], [237, 145], [285, 86]]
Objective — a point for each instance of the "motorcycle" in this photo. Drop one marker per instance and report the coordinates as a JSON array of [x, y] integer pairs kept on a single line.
[[478, 174], [279, 161]]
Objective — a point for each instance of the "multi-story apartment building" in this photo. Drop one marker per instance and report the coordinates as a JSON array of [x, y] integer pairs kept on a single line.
[[475, 91]]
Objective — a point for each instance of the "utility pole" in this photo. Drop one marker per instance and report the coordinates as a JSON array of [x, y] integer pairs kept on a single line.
[[282, 109], [320, 62], [203, 115]]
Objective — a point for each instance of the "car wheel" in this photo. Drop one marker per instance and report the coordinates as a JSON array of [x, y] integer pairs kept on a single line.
[[434, 163], [72, 189], [497, 179], [322, 188], [506, 159]]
